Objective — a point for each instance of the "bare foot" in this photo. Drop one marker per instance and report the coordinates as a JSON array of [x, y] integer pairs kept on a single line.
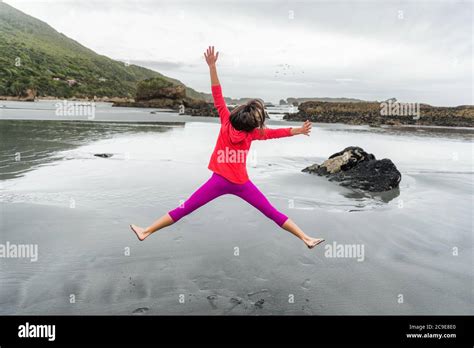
[[312, 242], [140, 232]]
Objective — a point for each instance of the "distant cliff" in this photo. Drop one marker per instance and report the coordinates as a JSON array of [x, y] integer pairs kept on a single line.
[[160, 93], [297, 101]]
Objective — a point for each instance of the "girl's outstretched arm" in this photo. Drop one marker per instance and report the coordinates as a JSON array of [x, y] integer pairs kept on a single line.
[[269, 133], [219, 101]]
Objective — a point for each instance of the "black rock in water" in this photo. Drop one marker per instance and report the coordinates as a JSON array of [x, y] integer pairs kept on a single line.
[[104, 155], [357, 169], [373, 176]]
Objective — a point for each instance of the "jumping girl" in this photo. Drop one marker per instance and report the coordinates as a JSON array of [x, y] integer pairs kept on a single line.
[[238, 129]]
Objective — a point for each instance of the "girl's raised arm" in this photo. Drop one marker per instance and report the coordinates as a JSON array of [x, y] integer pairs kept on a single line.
[[219, 101], [211, 60]]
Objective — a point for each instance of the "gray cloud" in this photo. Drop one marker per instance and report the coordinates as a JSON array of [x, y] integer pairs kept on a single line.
[[161, 65], [413, 50]]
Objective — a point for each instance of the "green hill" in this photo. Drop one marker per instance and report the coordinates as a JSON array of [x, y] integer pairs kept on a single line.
[[35, 56]]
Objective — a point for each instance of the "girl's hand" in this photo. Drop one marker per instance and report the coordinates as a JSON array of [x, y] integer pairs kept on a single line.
[[306, 128], [211, 58]]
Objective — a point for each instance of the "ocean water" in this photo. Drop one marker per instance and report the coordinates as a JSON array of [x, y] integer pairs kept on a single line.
[[412, 246]]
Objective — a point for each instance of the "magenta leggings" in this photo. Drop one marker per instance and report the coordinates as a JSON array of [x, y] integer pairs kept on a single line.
[[217, 186]]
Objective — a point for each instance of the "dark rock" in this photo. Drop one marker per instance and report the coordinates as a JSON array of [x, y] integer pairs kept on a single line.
[[160, 93], [357, 169], [343, 160], [104, 155], [29, 95], [373, 176], [194, 107]]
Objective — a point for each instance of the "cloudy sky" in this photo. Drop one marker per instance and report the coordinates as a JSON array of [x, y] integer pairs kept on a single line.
[[412, 50]]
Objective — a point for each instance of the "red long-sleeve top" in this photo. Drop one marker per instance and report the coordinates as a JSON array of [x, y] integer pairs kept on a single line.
[[229, 158]]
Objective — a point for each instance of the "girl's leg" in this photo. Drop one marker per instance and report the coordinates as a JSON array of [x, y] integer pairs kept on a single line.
[[252, 195], [210, 190], [310, 242], [162, 222]]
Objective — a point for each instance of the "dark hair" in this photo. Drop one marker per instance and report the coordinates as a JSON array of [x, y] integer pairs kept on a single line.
[[249, 116]]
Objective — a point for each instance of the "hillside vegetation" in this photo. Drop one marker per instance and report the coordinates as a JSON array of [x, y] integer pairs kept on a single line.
[[35, 56]]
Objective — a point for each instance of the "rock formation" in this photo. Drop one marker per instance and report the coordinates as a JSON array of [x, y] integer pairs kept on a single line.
[[357, 169], [372, 113]]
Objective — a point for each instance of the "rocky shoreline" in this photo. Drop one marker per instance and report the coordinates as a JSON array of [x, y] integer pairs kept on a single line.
[[374, 114], [161, 94], [185, 106], [29, 95]]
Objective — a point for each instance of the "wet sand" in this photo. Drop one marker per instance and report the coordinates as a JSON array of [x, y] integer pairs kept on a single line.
[[77, 208]]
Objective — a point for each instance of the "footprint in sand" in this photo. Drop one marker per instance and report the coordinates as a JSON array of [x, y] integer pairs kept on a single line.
[[250, 294], [305, 261], [141, 310], [306, 284], [236, 300], [259, 303], [138, 288], [212, 299], [257, 278]]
